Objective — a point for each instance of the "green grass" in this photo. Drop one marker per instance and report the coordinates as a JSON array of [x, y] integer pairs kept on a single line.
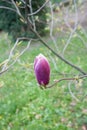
[[24, 106]]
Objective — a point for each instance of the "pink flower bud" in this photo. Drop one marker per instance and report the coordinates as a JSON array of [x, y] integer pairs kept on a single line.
[[42, 69]]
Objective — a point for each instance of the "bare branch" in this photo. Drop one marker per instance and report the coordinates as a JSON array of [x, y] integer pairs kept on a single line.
[[58, 55], [71, 93], [72, 30], [51, 28], [8, 8], [67, 79], [45, 43], [33, 13], [17, 9], [5, 67]]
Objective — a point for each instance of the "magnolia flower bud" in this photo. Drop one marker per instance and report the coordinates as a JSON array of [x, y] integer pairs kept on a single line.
[[42, 70]]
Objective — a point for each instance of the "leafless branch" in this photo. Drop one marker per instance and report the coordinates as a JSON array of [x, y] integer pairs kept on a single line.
[[43, 41], [71, 93], [31, 11], [67, 79], [8, 8], [6, 67], [17, 9], [72, 30], [58, 55], [52, 26], [37, 11]]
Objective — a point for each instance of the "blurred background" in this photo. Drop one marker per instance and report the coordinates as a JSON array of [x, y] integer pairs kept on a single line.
[[58, 30]]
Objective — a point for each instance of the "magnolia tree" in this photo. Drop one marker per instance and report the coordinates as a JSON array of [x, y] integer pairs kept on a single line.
[[64, 22]]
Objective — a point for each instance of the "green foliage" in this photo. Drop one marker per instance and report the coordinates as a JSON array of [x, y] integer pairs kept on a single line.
[[14, 25], [56, 1]]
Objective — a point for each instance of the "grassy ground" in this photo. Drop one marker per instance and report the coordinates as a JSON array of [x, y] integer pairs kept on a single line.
[[24, 106]]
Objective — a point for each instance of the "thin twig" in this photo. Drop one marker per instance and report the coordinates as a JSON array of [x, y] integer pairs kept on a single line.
[[46, 45], [72, 30], [33, 13], [71, 93], [8, 8], [53, 51], [62, 79], [52, 24], [17, 9], [58, 55], [7, 68]]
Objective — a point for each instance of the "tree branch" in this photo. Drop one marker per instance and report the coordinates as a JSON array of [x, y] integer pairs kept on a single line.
[[8, 8], [58, 55], [45, 44], [68, 79], [33, 13], [5, 68]]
